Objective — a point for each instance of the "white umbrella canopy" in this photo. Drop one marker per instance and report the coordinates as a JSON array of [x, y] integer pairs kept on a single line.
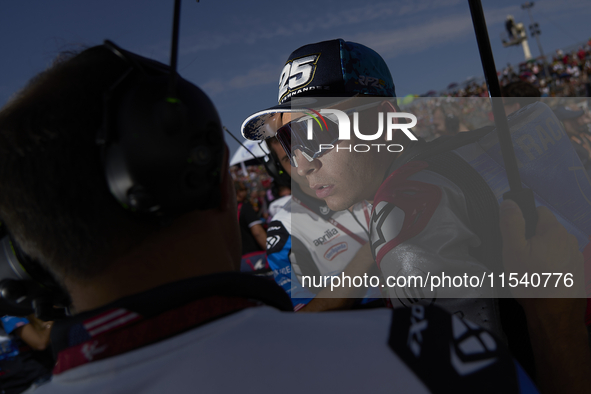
[[242, 155]]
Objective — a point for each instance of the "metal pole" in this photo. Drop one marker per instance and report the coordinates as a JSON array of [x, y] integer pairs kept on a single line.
[[174, 51], [494, 89], [523, 197]]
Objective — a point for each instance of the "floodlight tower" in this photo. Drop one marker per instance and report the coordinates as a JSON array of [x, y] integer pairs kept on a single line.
[[517, 35], [535, 31]]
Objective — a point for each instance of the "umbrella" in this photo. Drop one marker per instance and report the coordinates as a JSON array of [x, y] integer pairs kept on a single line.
[[242, 154]]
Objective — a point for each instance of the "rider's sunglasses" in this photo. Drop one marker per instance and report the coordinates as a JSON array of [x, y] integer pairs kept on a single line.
[[309, 132], [294, 136]]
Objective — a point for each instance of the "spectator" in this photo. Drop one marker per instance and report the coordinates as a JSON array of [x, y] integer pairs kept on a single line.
[[447, 121], [439, 121], [24, 355], [519, 94], [253, 233]]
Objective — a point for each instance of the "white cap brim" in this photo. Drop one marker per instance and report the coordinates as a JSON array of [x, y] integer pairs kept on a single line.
[[261, 125]]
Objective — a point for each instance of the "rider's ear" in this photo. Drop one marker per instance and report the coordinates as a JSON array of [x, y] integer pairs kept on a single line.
[[387, 106]]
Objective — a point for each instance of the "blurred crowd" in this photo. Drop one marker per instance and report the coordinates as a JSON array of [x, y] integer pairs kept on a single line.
[[260, 187], [568, 75]]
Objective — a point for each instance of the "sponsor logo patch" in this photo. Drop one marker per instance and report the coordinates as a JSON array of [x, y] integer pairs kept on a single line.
[[335, 250], [418, 324], [272, 241], [91, 350], [328, 234], [474, 348], [371, 81]]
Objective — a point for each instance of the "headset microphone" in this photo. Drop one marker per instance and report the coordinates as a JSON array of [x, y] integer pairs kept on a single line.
[[275, 168]]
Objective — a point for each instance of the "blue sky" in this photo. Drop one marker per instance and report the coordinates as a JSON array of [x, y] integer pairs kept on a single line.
[[235, 50]]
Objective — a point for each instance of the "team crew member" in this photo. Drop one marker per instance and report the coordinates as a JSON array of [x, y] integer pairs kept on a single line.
[[251, 225], [306, 238], [277, 204], [252, 232], [157, 305]]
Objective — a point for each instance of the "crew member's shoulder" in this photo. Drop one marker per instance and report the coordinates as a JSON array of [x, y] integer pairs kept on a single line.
[[277, 204], [283, 217]]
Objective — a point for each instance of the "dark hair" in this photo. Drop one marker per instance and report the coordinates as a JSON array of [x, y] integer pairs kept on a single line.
[[55, 200], [520, 92]]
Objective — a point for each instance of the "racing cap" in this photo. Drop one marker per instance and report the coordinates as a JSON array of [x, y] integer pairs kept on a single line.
[[334, 68]]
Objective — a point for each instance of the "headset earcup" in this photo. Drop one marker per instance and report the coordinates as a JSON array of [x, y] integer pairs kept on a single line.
[[165, 156], [275, 169]]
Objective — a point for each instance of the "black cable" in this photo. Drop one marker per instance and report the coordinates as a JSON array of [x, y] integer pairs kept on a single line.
[[248, 150], [359, 223]]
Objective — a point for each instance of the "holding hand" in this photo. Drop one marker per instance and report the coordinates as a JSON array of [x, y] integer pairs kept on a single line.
[[552, 250], [556, 325]]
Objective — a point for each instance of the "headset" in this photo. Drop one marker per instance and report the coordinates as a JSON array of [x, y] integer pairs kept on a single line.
[[274, 167], [26, 286], [162, 147], [162, 150]]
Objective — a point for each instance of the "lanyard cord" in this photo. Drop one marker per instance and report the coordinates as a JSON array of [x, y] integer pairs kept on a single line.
[[358, 222]]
